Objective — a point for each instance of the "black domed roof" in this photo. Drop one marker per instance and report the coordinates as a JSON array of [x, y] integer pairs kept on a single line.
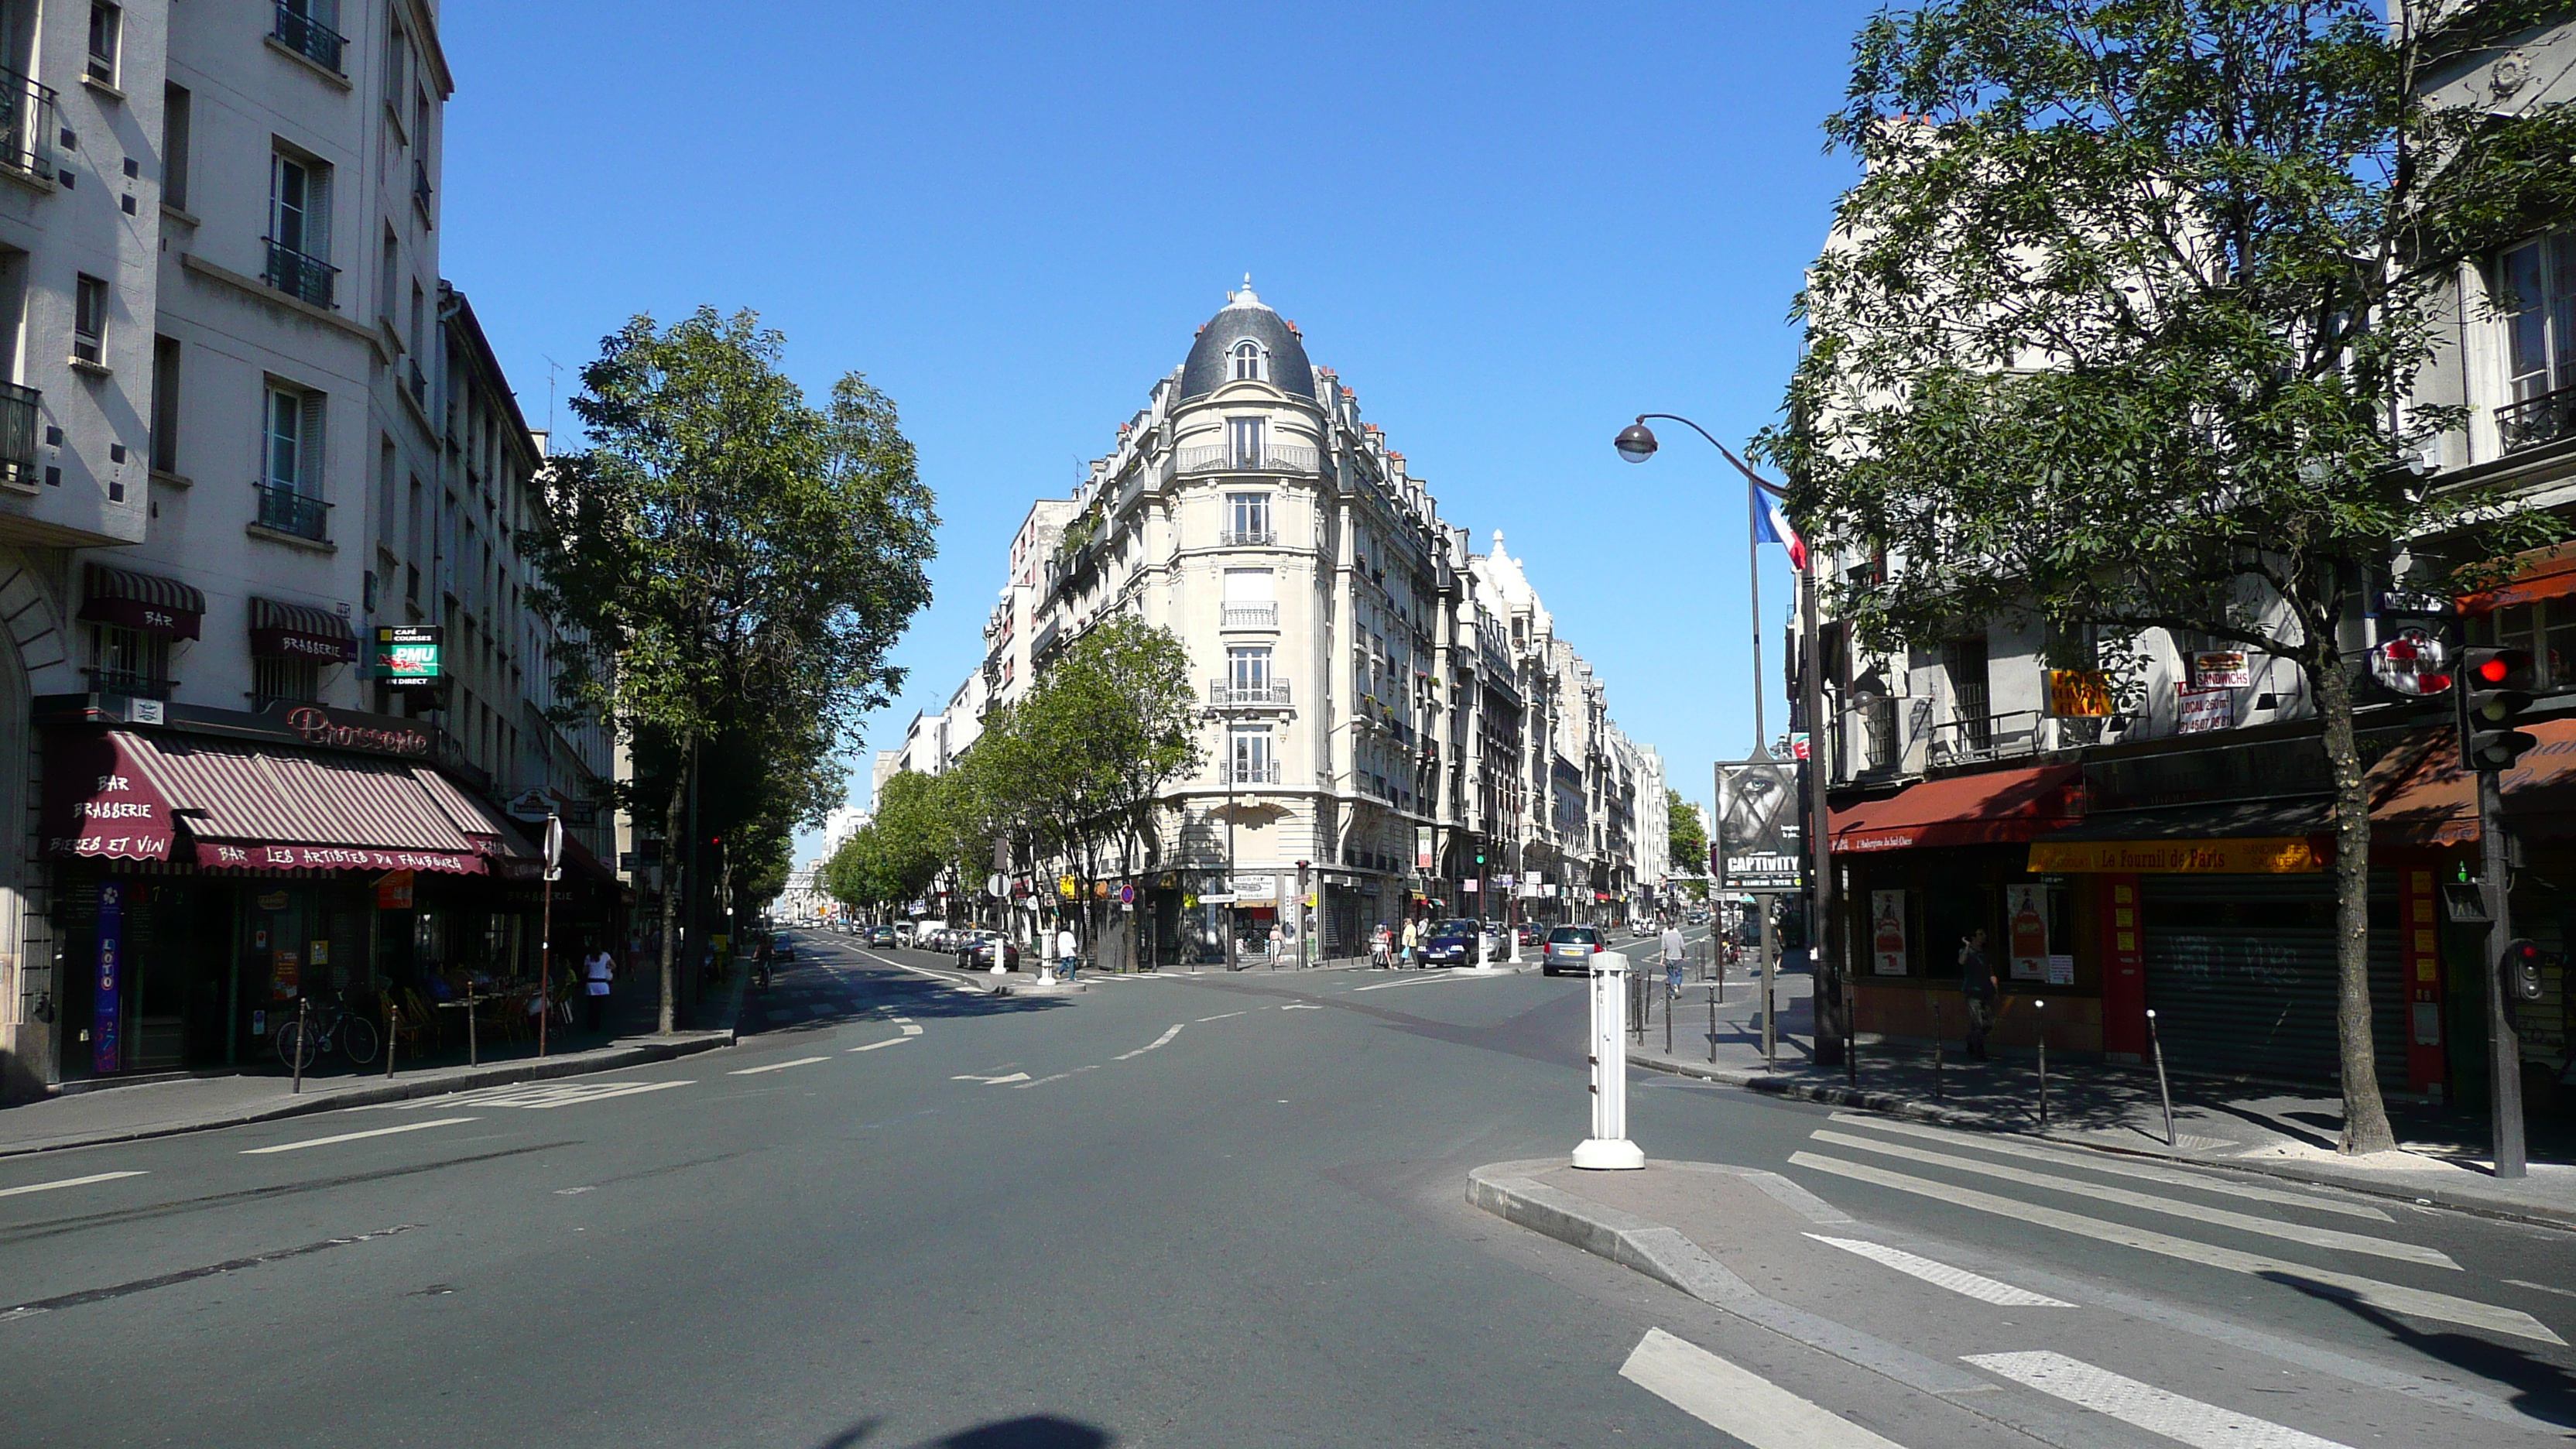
[[1245, 316]]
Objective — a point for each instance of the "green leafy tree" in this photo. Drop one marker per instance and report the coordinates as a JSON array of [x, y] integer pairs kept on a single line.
[[2121, 324], [1689, 833], [736, 562]]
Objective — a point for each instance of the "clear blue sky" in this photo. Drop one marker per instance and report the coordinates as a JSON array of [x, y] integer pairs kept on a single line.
[[1510, 228]]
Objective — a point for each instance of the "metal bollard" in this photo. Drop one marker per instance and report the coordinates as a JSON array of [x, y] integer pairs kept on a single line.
[[2041, 1008], [303, 1039], [2156, 1044], [1712, 1020], [1937, 1044], [393, 1034]]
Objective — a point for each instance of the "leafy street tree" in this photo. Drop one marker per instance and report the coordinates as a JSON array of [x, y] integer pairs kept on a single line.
[[738, 563], [2120, 328], [1689, 833], [898, 854]]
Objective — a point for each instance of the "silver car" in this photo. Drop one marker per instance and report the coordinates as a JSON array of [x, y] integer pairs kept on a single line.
[[1570, 948]]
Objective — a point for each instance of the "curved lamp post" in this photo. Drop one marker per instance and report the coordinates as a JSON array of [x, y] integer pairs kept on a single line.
[[1636, 443]]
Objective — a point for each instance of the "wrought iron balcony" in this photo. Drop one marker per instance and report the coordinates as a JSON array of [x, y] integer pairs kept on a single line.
[[1273, 695], [1248, 538], [1260, 772], [1271, 458], [1252, 616], [307, 279], [2534, 421], [308, 37], [27, 128], [1975, 738], [21, 412], [420, 191], [129, 683], [287, 511]]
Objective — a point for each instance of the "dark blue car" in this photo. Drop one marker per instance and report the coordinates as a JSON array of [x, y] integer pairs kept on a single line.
[[1451, 943]]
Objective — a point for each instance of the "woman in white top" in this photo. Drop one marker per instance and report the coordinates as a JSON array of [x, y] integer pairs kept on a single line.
[[597, 970]]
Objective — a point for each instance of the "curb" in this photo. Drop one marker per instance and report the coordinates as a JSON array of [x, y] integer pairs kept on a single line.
[[2532, 1214]]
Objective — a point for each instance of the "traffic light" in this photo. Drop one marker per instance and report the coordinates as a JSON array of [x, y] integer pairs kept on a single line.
[[2496, 689], [2521, 967], [1480, 855]]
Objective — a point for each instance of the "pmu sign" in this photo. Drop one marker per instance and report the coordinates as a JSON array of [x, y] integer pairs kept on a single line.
[[408, 655]]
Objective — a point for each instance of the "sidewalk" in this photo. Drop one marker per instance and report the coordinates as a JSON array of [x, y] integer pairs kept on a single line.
[[2279, 1130], [161, 1109]]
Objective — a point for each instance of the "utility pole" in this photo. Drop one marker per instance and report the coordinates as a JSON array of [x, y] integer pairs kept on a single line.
[[2504, 1044], [1824, 926]]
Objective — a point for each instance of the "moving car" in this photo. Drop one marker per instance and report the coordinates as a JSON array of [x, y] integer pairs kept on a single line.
[[980, 950], [1570, 948], [880, 935], [1531, 933], [1451, 943], [904, 931]]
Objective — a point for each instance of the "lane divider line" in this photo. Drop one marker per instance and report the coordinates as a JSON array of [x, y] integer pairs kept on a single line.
[[1149, 1046], [1738, 1401], [1942, 1275], [889, 1041], [2158, 1411], [1058, 1077], [1222, 1015], [354, 1136], [68, 1182], [777, 1066]]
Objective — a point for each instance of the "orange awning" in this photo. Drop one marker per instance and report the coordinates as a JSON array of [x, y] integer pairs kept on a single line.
[[2542, 573], [2420, 795], [1999, 807]]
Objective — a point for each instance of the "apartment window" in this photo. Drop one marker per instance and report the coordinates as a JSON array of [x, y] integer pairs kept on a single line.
[[1966, 662], [386, 483], [1253, 762], [130, 661], [299, 228], [165, 404], [388, 268], [1248, 518], [1247, 361], [284, 681], [1248, 672], [174, 146], [89, 317], [295, 439], [105, 24], [2539, 301], [1243, 438]]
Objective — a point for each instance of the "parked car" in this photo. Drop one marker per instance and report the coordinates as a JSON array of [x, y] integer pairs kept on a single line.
[[1451, 943], [1532, 933], [1570, 948], [980, 950]]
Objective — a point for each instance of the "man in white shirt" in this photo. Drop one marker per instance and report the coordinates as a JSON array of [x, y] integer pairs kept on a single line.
[[1067, 952], [597, 970]]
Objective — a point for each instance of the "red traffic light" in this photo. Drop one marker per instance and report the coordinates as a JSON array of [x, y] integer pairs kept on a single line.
[[2500, 668], [2519, 965]]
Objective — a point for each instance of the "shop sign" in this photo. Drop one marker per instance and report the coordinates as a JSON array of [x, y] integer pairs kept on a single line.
[[1468, 886], [2080, 694], [531, 806], [407, 655], [1422, 847], [393, 890], [273, 901], [341, 729], [2199, 711], [217, 855], [1887, 951], [98, 805], [1502, 882], [1256, 887], [2270, 855], [2221, 669], [285, 974], [106, 1050], [2026, 912]]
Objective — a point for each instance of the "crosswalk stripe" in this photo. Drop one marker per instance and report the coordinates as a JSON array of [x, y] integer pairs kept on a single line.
[[777, 1066], [68, 1182], [2117, 1167], [2158, 1411], [2394, 1297], [1942, 1275], [1737, 1401], [2219, 1217]]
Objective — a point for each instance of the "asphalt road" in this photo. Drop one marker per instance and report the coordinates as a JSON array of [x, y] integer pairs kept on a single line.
[[1220, 1210]]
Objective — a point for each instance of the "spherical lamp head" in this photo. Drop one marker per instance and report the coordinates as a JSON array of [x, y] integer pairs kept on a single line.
[[1636, 442]]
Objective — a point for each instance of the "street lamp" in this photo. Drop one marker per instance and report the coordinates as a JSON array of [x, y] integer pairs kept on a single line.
[[1636, 443]]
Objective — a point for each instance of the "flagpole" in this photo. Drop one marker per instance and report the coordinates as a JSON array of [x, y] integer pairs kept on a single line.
[[1753, 576]]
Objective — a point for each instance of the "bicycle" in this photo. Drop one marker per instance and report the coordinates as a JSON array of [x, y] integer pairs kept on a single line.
[[325, 1025]]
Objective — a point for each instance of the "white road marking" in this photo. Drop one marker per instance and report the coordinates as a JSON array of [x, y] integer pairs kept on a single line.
[[1301, 1006], [991, 1081], [777, 1066], [68, 1182], [889, 1041], [908, 1028], [1942, 1275], [534, 1097], [1222, 1015], [1411, 981], [1735, 1401], [2517, 1282], [1058, 1077], [354, 1136], [2203, 1426], [2197, 1212], [1149, 1046], [2117, 1167], [2396, 1298]]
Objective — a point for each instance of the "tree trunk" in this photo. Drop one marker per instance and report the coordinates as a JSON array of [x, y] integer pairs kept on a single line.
[[2365, 1117], [673, 835]]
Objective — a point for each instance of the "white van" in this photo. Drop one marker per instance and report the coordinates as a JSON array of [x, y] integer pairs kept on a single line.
[[903, 933]]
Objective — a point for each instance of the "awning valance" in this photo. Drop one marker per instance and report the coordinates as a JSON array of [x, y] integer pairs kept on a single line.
[[2223, 837], [148, 602], [1996, 807], [2542, 573], [2421, 796], [99, 804], [294, 631]]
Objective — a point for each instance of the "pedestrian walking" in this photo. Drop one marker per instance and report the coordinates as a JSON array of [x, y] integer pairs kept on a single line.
[[1068, 952], [1676, 958], [1977, 981], [598, 969], [1412, 941], [1381, 948], [1278, 944]]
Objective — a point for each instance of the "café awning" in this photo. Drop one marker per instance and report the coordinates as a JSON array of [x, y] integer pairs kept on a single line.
[[149, 602], [2542, 573], [295, 631], [2420, 795], [2209, 837], [1996, 807]]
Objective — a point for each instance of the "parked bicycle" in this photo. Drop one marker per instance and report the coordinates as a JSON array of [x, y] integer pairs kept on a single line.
[[325, 1025]]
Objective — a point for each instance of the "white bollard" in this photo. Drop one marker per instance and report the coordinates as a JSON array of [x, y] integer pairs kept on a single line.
[[1608, 1148]]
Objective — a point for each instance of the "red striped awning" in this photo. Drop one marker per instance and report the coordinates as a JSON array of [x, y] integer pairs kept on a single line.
[[294, 631], [147, 602], [286, 809]]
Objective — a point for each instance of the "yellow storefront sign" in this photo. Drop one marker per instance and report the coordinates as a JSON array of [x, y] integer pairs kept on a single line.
[[2080, 694], [2268, 855]]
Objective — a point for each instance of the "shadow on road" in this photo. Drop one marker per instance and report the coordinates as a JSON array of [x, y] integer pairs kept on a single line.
[[2542, 1390], [1033, 1431]]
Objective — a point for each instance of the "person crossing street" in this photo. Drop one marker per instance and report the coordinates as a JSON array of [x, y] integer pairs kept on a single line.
[[1068, 953]]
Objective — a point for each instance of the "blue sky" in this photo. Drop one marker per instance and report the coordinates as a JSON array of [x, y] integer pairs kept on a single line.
[[1510, 228]]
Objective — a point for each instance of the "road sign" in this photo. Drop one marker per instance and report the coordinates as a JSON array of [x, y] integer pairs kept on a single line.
[[1219, 899]]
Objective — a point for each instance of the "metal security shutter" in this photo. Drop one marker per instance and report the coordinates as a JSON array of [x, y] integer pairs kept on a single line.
[[2241, 976]]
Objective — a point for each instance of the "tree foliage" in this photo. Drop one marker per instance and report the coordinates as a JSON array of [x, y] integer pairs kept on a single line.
[[2121, 326], [1687, 832]]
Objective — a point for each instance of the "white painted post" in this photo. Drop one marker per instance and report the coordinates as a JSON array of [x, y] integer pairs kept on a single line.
[[1608, 1148]]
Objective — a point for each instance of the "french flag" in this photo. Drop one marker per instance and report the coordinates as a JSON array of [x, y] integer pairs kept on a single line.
[[1770, 526]]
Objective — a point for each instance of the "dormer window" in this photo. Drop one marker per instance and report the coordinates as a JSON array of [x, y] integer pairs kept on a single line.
[[1249, 363]]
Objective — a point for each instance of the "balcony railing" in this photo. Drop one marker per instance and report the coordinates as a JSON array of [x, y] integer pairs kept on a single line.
[[1976, 738], [287, 511], [2534, 421], [1252, 616], [308, 279], [308, 37], [1219, 458], [1221, 695], [27, 130], [1247, 538], [1260, 772], [129, 683], [416, 381], [21, 408], [420, 191]]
